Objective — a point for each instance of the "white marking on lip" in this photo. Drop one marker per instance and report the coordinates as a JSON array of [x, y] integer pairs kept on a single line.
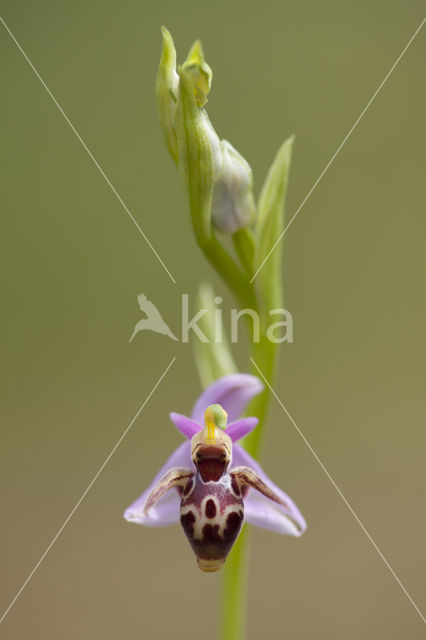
[[201, 519]]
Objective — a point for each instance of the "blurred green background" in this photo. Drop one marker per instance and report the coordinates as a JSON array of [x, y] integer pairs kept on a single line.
[[73, 263]]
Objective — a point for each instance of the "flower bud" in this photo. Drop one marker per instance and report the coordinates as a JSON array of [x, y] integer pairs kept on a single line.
[[233, 206], [199, 72], [218, 179]]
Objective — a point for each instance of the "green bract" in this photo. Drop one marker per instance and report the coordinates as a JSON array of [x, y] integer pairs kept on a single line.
[[270, 225], [166, 89], [198, 155]]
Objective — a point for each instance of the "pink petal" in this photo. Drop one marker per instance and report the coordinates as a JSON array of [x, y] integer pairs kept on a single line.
[[166, 511], [232, 392], [185, 425], [240, 428], [262, 512]]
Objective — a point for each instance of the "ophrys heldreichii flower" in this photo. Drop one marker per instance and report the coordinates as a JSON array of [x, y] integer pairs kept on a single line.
[[211, 484]]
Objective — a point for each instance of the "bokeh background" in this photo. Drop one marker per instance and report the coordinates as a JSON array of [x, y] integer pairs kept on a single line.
[[72, 264]]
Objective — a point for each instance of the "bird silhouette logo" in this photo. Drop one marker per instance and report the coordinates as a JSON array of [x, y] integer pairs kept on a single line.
[[153, 320]]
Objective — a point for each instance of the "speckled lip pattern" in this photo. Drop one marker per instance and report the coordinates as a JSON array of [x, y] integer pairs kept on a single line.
[[211, 515]]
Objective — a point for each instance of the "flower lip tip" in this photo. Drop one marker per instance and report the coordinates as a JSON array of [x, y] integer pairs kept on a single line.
[[209, 566]]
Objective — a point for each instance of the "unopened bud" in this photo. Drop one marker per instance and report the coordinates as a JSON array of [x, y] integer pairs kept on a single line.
[[233, 206], [218, 178], [199, 73]]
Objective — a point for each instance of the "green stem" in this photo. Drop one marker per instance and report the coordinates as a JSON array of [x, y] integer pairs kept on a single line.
[[229, 271], [235, 573], [235, 578], [264, 354], [234, 590], [244, 246]]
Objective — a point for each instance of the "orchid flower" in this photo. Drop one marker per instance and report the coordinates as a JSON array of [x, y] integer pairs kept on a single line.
[[212, 484]]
